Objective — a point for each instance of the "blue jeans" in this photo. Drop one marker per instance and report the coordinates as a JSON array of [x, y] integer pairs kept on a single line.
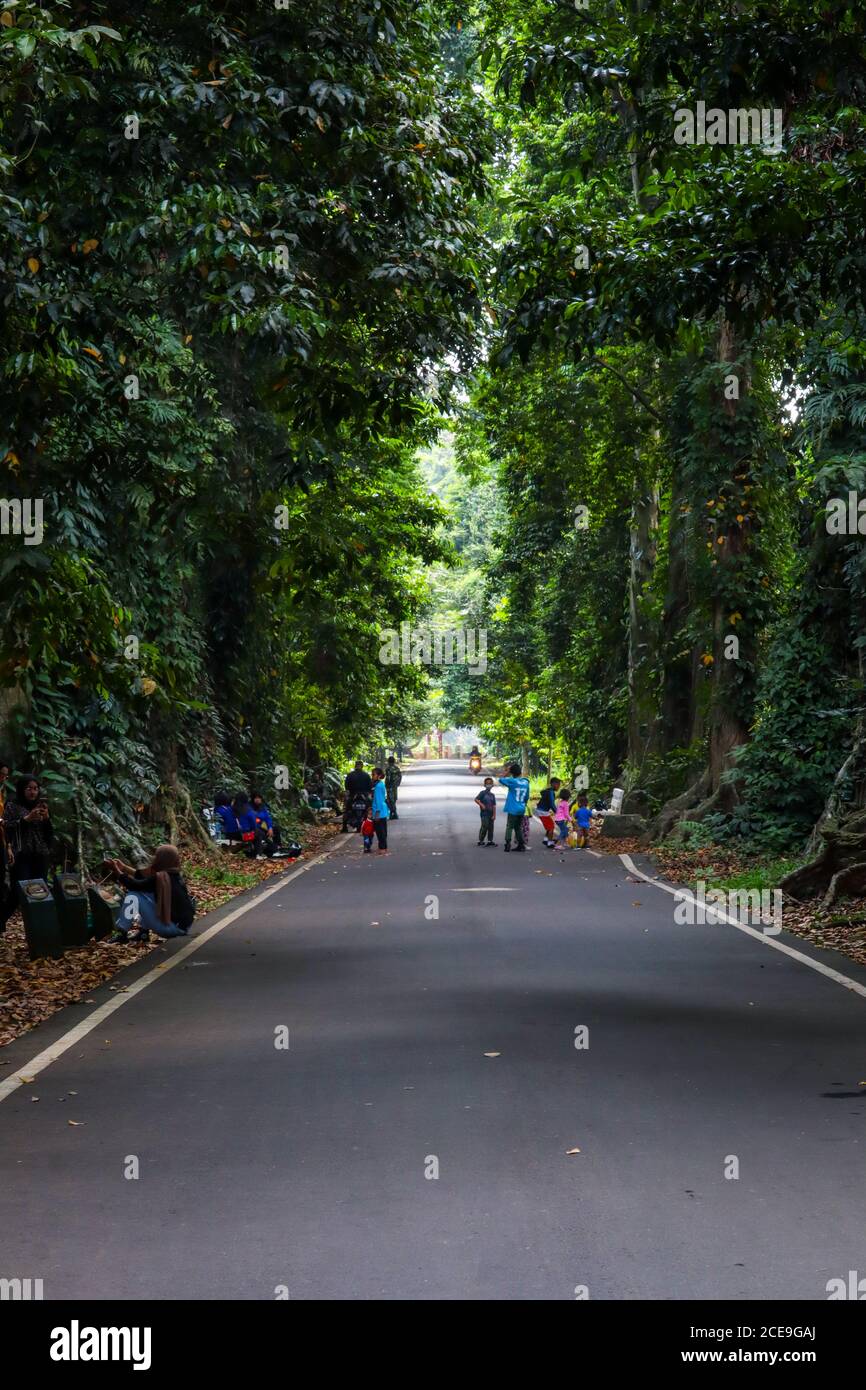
[[143, 905], [562, 827]]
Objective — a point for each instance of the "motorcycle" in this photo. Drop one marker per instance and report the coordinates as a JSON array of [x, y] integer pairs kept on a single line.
[[475, 764], [357, 811]]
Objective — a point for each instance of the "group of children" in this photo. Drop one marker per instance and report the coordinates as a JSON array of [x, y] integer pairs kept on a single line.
[[566, 822]]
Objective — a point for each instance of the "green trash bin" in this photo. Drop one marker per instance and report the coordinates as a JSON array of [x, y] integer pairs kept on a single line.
[[105, 903], [41, 924], [70, 895]]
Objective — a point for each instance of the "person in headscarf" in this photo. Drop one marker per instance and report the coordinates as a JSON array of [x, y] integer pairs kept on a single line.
[[29, 836], [157, 899]]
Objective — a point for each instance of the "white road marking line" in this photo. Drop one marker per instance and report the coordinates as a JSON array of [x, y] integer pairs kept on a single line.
[[51, 1054], [719, 913], [482, 890]]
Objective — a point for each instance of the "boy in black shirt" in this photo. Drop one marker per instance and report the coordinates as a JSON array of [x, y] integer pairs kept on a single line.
[[486, 800]]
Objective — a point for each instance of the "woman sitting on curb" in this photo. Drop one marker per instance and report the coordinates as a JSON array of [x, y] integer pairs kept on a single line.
[[157, 901]]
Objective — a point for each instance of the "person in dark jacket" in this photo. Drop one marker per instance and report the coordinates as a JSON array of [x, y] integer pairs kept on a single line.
[[29, 835], [157, 899], [357, 783]]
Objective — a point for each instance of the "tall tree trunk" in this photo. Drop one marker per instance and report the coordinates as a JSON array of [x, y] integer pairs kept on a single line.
[[642, 630], [677, 650], [729, 728]]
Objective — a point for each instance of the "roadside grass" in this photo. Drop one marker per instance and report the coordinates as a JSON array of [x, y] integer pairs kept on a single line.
[[847, 919], [220, 877], [764, 873]]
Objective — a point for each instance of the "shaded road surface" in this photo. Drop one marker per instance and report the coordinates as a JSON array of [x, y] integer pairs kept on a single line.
[[262, 1167]]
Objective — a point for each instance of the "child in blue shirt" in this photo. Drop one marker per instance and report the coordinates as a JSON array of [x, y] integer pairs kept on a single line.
[[515, 807], [582, 820]]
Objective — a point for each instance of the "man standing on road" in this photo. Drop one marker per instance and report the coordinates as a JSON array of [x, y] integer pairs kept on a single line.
[[393, 778], [357, 783], [515, 807]]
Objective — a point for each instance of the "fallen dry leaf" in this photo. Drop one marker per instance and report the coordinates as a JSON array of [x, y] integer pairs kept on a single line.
[[493, 1054], [572, 1151], [76, 1123]]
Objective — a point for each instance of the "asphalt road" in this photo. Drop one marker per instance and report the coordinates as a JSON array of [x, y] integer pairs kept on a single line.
[[307, 1169]]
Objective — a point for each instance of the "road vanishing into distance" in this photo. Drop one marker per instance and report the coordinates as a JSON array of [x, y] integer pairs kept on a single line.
[[364, 1083]]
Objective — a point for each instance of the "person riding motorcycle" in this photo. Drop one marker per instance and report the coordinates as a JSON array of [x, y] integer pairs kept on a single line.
[[358, 784]]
